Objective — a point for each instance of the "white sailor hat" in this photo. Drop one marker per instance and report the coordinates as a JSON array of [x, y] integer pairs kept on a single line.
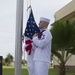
[[44, 19]]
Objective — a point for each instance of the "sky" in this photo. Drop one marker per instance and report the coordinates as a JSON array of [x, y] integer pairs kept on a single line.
[[41, 8]]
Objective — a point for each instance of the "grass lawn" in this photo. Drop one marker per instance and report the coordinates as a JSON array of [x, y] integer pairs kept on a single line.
[[10, 71]]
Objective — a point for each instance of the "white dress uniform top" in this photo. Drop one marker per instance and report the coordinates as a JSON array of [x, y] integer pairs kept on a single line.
[[42, 53], [43, 50]]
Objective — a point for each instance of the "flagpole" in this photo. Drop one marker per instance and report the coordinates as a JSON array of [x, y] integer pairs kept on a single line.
[[18, 38]]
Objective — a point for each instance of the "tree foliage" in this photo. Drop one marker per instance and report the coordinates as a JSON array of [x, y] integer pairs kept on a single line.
[[63, 34], [9, 59], [63, 43]]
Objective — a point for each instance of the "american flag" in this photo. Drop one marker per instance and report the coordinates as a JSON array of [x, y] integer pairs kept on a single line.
[[30, 30]]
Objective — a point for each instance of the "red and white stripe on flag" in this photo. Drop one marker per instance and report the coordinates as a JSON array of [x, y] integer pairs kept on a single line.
[[28, 45]]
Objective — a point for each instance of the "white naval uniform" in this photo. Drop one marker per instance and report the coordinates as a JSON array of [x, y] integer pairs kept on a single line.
[[30, 64], [42, 53]]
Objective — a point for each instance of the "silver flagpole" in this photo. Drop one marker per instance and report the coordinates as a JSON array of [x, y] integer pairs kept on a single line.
[[18, 38]]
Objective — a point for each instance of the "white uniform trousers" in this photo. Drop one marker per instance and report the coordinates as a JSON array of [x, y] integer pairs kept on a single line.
[[30, 65], [41, 68]]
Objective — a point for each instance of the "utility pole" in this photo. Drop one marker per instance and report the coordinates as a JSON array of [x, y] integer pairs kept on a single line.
[[18, 38]]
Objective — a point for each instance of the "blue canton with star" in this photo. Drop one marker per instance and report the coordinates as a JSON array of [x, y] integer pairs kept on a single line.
[[31, 27]]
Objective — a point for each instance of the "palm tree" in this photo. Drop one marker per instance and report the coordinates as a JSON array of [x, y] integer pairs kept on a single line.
[[63, 44]]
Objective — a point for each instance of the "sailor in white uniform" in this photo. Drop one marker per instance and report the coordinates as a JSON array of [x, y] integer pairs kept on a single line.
[[43, 48]]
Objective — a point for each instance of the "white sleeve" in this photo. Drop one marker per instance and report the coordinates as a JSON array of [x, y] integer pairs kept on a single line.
[[33, 46], [43, 42]]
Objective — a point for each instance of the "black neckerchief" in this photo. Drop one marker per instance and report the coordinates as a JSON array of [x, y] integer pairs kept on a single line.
[[40, 34], [42, 31]]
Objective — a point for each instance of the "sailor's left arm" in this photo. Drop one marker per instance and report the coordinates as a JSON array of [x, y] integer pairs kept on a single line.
[[44, 41]]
